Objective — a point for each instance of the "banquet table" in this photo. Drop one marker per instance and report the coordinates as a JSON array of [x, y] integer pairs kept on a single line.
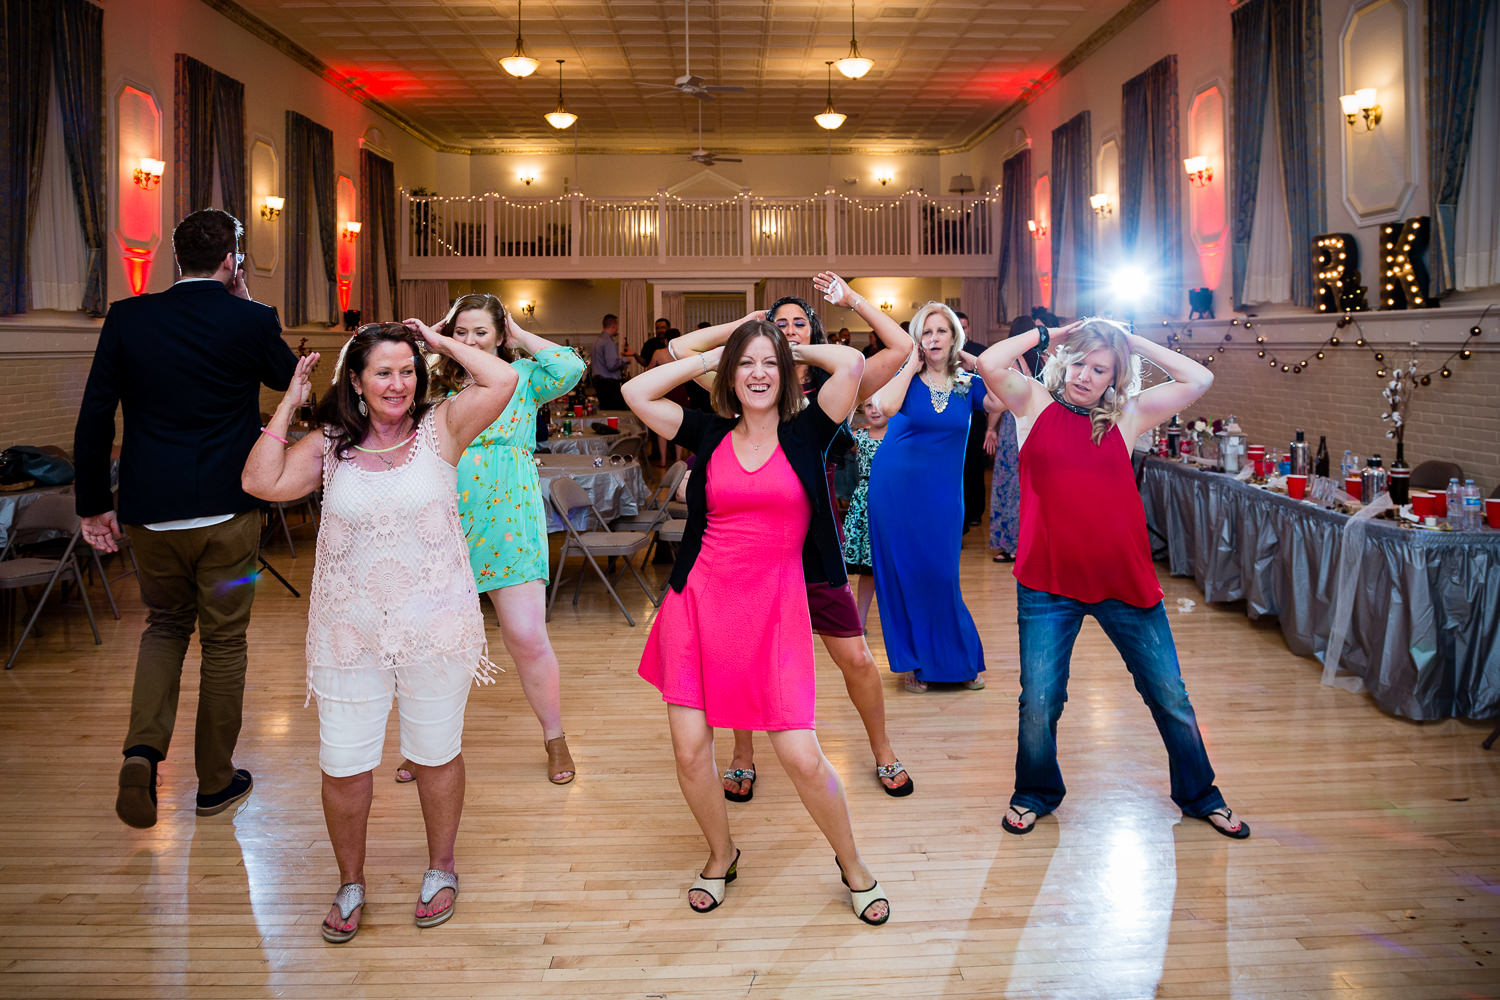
[[617, 490], [1412, 614], [11, 505], [586, 441]]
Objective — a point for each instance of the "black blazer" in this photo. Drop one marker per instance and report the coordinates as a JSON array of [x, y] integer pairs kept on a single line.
[[187, 365], [804, 440]]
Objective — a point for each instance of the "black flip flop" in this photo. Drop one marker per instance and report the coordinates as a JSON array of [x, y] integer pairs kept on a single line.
[[1238, 833], [1019, 831]]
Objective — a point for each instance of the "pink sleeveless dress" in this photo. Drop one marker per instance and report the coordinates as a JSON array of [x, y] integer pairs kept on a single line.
[[392, 588], [737, 641]]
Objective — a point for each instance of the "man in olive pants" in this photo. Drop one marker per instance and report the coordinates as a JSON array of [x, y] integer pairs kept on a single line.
[[186, 366]]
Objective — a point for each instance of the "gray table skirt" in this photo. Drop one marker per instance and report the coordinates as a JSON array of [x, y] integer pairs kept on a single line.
[[617, 490], [1423, 606]]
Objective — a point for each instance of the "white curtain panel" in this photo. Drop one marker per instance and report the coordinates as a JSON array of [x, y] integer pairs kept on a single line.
[[1476, 242], [57, 257], [636, 321], [979, 299], [1268, 267]]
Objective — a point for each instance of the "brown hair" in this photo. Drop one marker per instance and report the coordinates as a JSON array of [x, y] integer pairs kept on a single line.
[[726, 402], [448, 376], [338, 411], [202, 240]]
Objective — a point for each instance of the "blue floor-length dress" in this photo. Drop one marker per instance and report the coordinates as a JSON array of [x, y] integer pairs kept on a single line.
[[916, 511]]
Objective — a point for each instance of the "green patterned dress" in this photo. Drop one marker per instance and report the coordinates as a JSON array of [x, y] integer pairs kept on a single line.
[[857, 520], [499, 493]]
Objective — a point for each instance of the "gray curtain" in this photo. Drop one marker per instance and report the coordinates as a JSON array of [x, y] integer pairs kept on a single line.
[[1017, 270], [1250, 77], [1151, 142], [309, 170], [1455, 41], [27, 50], [208, 118], [1072, 218], [377, 208], [1297, 61], [78, 65]]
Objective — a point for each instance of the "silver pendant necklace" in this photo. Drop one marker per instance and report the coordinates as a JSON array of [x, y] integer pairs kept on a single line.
[[939, 396]]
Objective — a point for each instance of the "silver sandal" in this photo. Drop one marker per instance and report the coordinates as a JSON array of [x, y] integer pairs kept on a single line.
[[434, 881], [350, 897]]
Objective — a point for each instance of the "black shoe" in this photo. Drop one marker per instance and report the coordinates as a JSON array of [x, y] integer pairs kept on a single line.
[[239, 787], [136, 802]]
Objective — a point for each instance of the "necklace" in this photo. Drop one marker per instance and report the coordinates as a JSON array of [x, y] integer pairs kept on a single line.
[[1082, 411], [380, 452], [939, 396]]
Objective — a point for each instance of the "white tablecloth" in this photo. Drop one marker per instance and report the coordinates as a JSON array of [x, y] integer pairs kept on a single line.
[[617, 490]]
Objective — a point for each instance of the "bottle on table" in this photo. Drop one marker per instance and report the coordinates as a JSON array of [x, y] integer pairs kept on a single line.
[[1301, 465], [1320, 464], [1473, 503], [1369, 481], [1174, 436], [1346, 467], [1455, 516], [1382, 476]]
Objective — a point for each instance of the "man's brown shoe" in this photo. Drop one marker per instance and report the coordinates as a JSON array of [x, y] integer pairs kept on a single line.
[[136, 802]]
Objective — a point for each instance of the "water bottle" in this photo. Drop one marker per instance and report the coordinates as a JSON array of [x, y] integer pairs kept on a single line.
[[1473, 504], [1455, 504], [1346, 467]]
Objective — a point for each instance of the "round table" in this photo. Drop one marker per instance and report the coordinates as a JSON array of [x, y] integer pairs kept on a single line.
[[586, 441], [617, 490]]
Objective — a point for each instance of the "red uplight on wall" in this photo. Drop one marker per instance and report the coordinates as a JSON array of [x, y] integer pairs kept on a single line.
[[345, 285], [137, 268]]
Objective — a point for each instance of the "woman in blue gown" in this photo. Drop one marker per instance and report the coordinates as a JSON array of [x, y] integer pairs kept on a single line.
[[916, 509]]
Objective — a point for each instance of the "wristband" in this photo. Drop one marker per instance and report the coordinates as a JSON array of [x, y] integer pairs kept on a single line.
[[1042, 339], [273, 434]]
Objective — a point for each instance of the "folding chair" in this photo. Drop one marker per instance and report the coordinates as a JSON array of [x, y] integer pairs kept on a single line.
[[278, 509], [656, 509], [567, 496], [52, 513]]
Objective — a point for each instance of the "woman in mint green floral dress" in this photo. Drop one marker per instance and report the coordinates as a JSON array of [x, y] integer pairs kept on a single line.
[[501, 506], [857, 521]]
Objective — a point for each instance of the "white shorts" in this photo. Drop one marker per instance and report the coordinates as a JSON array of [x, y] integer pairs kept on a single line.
[[353, 706]]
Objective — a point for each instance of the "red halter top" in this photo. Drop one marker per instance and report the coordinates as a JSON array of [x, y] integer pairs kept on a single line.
[[1083, 529]]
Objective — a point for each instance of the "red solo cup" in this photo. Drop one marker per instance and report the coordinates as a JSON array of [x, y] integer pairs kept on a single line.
[[1353, 486], [1440, 503], [1255, 451], [1296, 486], [613, 422], [577, 411], [1262, 467], [1492, 512], [1421, 503]]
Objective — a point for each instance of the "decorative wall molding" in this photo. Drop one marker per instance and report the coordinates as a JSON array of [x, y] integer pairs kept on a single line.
[[263, 238], [1208, 217], [1379, 47]]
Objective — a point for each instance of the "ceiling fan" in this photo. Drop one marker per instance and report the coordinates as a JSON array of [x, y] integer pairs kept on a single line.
[[688, 83], [700, 155]]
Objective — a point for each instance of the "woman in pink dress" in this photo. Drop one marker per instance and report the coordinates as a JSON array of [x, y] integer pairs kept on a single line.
[[761, 487]]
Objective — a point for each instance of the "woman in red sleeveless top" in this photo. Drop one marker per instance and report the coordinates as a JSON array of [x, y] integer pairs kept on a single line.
[[1083, 550]]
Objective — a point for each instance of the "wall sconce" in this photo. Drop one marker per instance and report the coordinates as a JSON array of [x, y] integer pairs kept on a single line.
[[1198, 171], [148, 174], [886, 305], [271, 207], [529, 308], [351, 230], [1038, 230], [1100, 203], [526, 179], [1361, 104], [884, 178]]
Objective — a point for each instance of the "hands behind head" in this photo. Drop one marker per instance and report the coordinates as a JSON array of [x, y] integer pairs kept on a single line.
[[430, 338], [824, 280]]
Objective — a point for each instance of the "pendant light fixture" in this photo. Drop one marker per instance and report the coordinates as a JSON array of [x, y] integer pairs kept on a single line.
[[830, 119], [518, 63], [562, 117], [854, 65]]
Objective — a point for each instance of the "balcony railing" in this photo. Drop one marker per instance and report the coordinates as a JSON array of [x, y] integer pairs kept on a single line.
[[493, 236]]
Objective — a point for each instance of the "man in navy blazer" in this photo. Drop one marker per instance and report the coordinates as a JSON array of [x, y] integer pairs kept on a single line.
[[186, 365]]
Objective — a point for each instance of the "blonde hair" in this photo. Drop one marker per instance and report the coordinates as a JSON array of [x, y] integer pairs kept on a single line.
[[1092, 334], [919, 322]]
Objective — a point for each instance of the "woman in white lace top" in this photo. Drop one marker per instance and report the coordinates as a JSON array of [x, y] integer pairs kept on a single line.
[[393, 612]]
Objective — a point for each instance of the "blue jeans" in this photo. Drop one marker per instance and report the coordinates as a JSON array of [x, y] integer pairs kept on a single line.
[[1049, 624]]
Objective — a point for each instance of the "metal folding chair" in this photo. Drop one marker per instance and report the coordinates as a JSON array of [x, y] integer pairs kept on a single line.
[[567, 496], [49, 514]]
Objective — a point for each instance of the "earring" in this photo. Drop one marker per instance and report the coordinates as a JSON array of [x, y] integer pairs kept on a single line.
[[364, 411]]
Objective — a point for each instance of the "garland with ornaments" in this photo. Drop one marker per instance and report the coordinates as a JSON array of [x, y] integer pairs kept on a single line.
[[1463, 352]]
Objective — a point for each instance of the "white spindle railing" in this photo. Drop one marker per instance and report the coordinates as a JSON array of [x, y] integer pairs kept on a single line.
[[493, 235]]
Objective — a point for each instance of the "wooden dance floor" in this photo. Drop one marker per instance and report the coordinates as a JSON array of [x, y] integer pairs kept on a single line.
[[1374, 869]]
